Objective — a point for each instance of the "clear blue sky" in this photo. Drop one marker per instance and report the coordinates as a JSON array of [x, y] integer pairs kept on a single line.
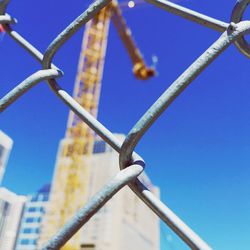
[[197, 152]]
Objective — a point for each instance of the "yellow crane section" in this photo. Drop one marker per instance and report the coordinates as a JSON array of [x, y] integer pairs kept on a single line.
[[140, 70], [71, 176]]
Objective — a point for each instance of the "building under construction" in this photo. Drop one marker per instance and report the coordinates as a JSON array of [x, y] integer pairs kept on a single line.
[[79, 173]]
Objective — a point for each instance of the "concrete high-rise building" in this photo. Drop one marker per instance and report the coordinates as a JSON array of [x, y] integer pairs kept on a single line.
[[125, 222], [33, 214], [5, 148], [11, 208]]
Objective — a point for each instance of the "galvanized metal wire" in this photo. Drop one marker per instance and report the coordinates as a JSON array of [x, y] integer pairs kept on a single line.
[[131, 164]]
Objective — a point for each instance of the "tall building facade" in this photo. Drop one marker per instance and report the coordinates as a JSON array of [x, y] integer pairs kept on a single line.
[[11, 208], [33, 214], [125, 222], [5, 148]]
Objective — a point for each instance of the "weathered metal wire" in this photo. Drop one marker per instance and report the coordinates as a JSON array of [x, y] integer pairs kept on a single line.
[[7, 19], [131, 164], [237, 14], [72, 29], [191, 15], [83, 215], [154, 203], [26, 85], [158, 108]]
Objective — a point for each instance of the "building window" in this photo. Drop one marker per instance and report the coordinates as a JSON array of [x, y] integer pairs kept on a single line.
[[27, 230], [2, 149], [99, 147], [45, 197], [88, 247], [4, 210], [29, 220], [24, 242], [32, 209], [32, 242], [39, 219], [34, 198]]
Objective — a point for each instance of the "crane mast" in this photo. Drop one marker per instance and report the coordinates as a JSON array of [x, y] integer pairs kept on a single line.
[[71, 176]]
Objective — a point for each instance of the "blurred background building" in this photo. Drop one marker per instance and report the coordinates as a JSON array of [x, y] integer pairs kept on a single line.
[[5, 148], [11, 208], [123, 217], [33, 214], [125, 222]]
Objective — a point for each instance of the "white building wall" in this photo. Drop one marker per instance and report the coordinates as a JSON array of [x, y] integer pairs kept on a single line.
[[11, 206], [5, 148], [33, 215], [125, 222]]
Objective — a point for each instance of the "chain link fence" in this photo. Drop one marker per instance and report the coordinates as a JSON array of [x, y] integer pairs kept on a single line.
[[131, 164]]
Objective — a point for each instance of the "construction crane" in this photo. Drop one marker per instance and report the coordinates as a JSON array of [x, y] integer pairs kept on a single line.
[[70, 181]]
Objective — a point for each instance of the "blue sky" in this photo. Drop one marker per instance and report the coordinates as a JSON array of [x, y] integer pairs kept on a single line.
[[197, 152]]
